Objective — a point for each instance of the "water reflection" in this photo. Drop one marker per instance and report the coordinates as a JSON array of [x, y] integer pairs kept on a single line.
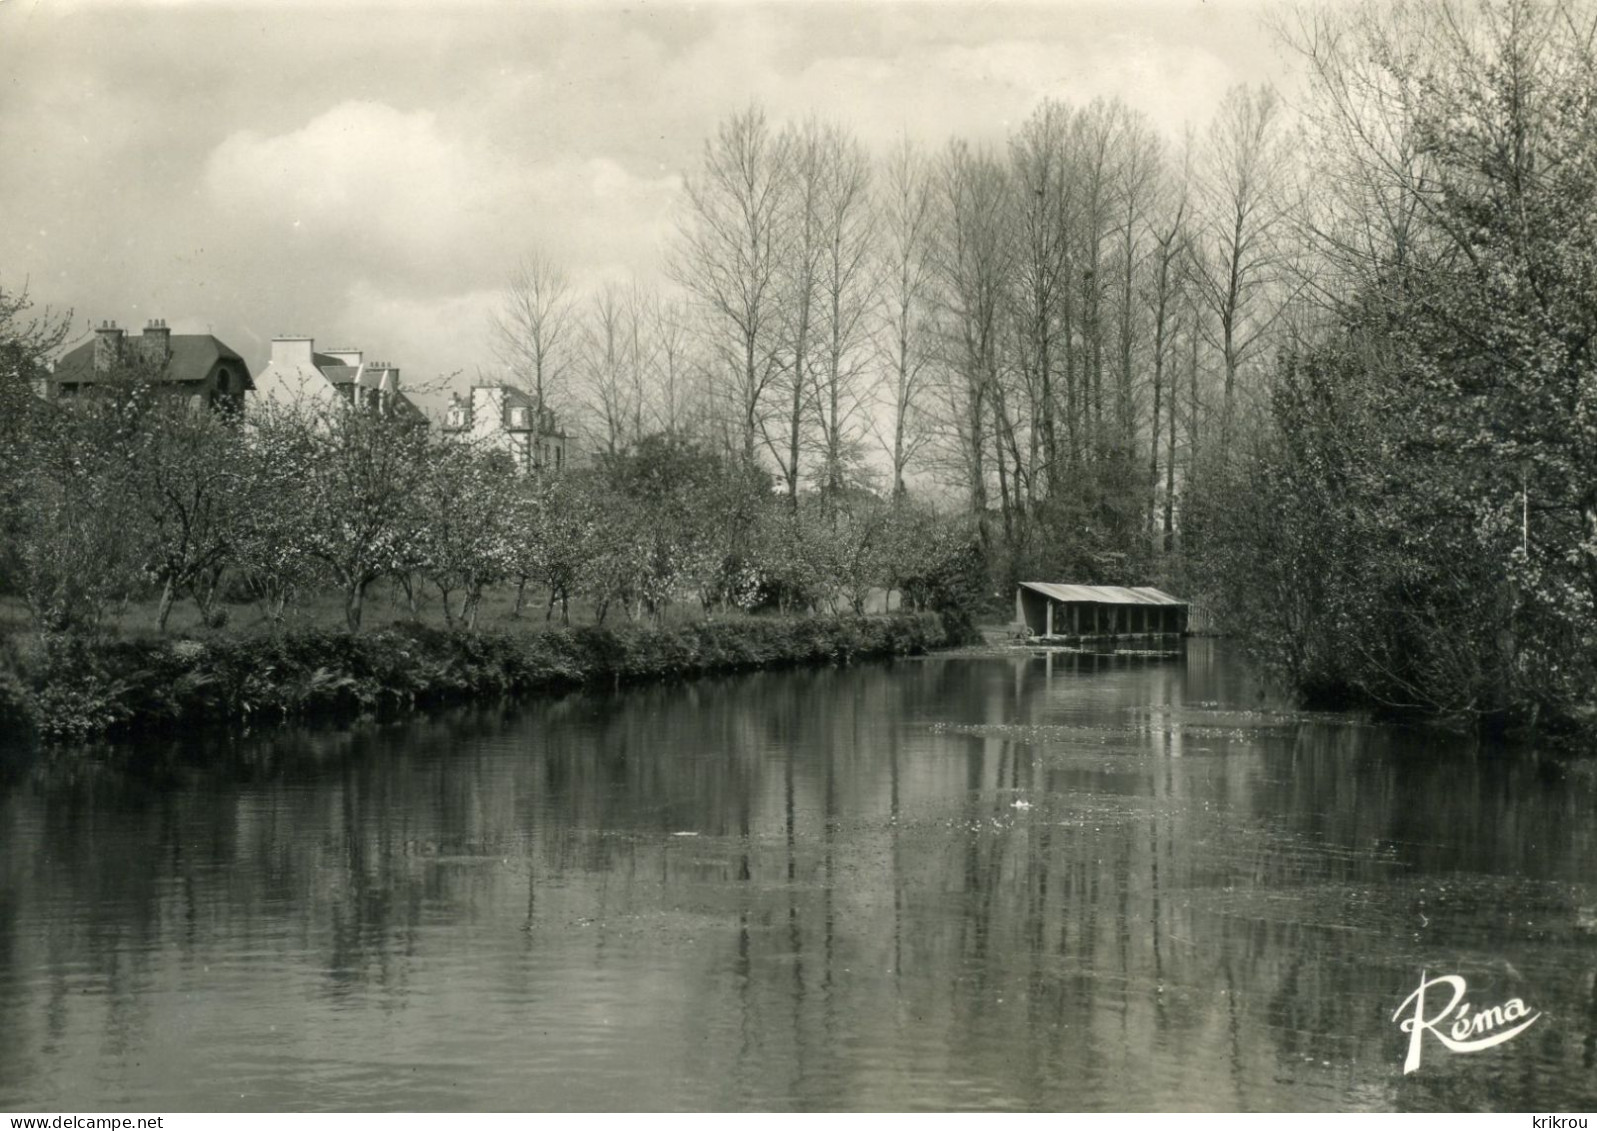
[[1039, 883]]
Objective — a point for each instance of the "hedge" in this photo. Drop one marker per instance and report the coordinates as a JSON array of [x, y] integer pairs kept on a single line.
[[73, 687]]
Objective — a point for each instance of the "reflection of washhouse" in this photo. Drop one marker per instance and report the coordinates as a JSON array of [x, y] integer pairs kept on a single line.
[[1101, 617]]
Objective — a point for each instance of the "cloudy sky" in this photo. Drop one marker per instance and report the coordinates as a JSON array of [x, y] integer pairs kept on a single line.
[[368, 174]]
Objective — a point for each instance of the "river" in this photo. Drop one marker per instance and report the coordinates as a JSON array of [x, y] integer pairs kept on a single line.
[[947, 883]]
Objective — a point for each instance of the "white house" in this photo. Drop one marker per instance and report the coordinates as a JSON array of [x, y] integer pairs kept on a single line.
[[298, 375], [503, 418]]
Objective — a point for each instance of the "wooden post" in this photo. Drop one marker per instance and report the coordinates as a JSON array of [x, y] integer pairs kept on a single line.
[[1050, 615]]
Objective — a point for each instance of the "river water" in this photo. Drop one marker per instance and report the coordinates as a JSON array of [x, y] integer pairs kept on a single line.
[[961, 883]]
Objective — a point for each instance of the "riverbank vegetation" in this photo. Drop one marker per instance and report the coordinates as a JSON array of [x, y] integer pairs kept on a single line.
[[74, 686], [126, 504], [1322, 367], [1412, 519]]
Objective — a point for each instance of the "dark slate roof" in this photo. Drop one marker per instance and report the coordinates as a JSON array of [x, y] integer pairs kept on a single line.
[[403, 406], [337, 372], [520, 398], [1101, 594], [193, 356]]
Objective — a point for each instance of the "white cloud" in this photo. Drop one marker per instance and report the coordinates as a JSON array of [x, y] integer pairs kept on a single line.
[[986, 89], [398, 194], [361, 166]]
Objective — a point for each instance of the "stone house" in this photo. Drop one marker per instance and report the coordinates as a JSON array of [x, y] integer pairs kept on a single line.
[[200, 367], [503, 418], [300, 376]]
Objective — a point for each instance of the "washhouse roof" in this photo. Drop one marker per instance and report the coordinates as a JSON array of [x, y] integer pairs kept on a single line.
[[1101, 594]]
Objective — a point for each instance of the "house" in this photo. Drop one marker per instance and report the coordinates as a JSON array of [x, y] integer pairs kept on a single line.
[[300, 376], [503, 418], [197, 366], [1056, 609]]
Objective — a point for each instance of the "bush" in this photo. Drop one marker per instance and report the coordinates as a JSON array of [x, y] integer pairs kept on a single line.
[[74, 687]]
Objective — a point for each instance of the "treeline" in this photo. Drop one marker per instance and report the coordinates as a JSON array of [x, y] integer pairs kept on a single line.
[[1327, 371], [1414, 521], [132, 494], [1045, 335]]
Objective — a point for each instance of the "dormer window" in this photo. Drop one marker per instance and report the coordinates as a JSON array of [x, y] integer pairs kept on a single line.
[[518, 418], [457, 418]]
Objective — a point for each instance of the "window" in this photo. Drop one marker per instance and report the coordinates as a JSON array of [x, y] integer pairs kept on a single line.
[[518, 418]]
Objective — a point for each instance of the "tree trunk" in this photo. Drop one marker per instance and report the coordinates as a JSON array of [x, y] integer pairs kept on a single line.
[[205, 594], [354, 603], [1170, 471], [164, 610]]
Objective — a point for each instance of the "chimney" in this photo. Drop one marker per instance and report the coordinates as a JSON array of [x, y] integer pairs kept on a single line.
[[107, 346], [350, 358], [291, 351], [156, 341]]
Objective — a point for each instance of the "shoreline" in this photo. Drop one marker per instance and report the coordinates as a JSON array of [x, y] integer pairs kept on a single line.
[[71, 688]]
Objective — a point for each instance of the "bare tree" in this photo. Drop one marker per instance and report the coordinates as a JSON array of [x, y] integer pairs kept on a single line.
[[1096, 132], [535, 328], [727, 257], [1365, 183], [972, 262], [1138, 177], [1170, 236], [803, 245], [1240, 182], [1045, 190], [905, 216], [612, 371], [674, 372], [846, 288]]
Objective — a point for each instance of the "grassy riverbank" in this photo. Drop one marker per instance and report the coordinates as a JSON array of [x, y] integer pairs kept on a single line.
[[74, 687]]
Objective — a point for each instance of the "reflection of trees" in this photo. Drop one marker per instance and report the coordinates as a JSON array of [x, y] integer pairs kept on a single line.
[[1198, 903]]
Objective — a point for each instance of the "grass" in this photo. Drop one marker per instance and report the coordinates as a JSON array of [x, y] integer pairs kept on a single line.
[[386, 606], [73, 687]]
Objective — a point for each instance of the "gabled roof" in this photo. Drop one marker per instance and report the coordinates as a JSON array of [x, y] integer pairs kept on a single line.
[[405, 408], [337, 372], [191, 357], [1101, 594]]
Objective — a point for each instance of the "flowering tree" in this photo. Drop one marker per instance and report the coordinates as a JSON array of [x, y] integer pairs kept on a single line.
[[363, 474], [272, 549], [189, 487], [72, 554], [552, 522], [464, 542]]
